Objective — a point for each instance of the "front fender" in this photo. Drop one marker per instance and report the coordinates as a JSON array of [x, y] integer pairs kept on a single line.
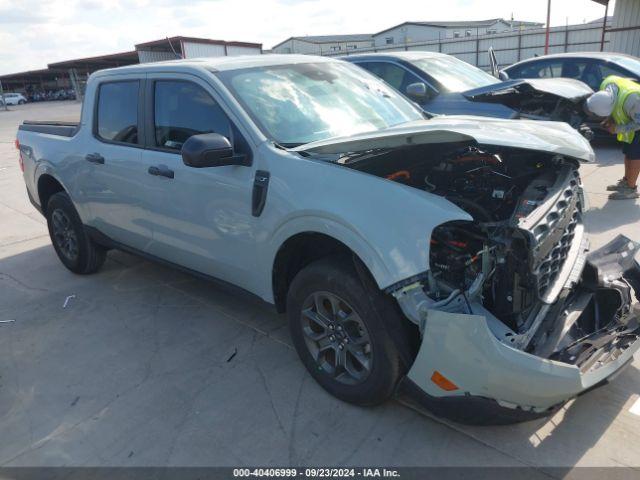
[[387, 224]]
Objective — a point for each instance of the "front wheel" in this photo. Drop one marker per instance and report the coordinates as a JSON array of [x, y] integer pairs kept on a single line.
[[338, 334], [74, 247]]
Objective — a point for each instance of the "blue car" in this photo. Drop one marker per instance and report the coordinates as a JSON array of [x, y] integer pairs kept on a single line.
[[589, 67], [443, 84]]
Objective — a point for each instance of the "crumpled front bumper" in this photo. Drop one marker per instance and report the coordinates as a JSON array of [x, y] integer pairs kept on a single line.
[[497, 383]]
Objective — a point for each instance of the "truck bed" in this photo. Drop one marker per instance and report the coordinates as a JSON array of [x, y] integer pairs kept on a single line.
[[62, 129]]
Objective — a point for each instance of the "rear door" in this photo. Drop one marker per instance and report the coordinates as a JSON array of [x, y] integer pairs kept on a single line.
[[201, 217], [116, 183]]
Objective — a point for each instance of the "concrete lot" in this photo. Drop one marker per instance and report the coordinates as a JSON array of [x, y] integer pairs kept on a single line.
[[139, 368]]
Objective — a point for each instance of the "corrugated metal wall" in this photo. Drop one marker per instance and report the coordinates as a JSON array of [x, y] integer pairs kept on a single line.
[[512, 46], [626, 17], [240, 50], [196, 50], [146, 56]]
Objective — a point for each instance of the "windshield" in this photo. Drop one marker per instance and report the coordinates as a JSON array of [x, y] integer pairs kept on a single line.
[[631, 64], [454, 75], [301, 103]]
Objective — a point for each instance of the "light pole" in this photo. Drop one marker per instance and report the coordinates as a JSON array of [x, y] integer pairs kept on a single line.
[[546, 36]]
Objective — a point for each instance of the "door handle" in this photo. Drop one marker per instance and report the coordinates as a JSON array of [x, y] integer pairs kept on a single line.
[[161, 171], [94, 158]]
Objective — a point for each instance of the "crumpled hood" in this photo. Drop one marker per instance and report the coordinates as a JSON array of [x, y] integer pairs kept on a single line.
[[567, 88], [551, 137]]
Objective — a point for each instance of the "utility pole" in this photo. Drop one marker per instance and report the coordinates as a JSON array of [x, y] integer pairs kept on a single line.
[[604, 25], [546, 36]]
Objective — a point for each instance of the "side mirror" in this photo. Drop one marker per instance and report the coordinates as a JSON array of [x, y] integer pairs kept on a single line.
[[210, 150], [504, 76], [416, 90]]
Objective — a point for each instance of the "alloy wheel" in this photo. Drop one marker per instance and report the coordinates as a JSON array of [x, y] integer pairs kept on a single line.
[[336, 338]]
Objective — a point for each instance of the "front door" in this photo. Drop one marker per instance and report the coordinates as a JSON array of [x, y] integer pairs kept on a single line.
[[201, 217]]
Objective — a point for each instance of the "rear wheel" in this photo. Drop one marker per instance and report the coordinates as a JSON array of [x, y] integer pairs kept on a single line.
[[74, 247], [339, 334]]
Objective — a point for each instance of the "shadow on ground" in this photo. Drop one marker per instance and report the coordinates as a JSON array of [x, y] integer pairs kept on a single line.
[[150, 366]]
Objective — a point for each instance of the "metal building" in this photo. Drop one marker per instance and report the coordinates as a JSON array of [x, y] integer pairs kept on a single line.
[[324, 44], [625, 27], [72, 74]]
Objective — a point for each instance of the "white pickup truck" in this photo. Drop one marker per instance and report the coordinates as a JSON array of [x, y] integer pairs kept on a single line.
[[445, 258]]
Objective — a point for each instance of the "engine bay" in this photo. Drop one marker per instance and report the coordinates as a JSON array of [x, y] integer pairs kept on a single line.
[[496, 259]]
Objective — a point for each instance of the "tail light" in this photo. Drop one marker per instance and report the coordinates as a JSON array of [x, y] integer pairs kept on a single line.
[[20, 161]]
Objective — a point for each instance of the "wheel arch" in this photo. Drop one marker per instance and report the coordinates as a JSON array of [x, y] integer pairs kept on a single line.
[[48, 185], [303, 248]]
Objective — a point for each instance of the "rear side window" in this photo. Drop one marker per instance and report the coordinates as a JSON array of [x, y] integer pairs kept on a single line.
[[183, 109], [118, 112]]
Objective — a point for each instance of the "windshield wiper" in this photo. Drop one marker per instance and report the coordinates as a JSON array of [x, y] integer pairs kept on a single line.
[[286, 146]]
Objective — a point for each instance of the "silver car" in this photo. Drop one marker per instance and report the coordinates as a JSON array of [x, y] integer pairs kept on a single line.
[[444, 259]]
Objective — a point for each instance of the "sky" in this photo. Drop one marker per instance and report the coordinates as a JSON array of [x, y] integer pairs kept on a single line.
[[34, 33]]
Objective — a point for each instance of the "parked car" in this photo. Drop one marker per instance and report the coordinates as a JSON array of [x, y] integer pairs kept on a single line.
[[443, 84], [50, 95], [589, 67], [445, 258], [13, 99]]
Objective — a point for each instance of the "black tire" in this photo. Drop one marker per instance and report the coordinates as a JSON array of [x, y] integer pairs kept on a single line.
[[338, 277], [21, 102], [74, 247]]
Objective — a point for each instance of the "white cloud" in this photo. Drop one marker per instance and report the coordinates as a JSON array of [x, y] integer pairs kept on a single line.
[[41, 32]]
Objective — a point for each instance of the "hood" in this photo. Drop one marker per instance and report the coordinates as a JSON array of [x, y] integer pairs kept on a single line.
[[567, 88], [551, 137]]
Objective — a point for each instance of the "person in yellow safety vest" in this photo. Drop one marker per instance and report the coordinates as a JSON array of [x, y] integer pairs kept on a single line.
[[619, 101]]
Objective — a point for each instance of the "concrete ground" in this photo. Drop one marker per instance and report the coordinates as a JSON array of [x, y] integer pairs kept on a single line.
[[149, 366]]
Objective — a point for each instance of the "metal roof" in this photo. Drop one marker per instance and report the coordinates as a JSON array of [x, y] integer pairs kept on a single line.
[[178, 39], [99, 61], [359, 37], [462, 24]]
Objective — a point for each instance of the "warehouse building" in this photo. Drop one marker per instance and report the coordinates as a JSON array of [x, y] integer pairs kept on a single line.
[[410, 32], [624, 28], [73, 74], [324, 44]]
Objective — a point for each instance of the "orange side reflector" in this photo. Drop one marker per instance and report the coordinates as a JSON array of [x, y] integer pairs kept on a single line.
[[443, 382]]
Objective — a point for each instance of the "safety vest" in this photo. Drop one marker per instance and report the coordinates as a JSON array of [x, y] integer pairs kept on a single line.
[[625, 88]]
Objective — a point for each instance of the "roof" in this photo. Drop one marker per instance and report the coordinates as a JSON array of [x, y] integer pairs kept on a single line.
[[468, 23], [221, 64], [358, 37], [404, 55], [101, 61], [165, 41], [609, 56], [601, 19]]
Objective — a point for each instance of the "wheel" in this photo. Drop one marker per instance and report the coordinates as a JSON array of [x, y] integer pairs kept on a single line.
[[21, 102], [339, 334], [75, 249]]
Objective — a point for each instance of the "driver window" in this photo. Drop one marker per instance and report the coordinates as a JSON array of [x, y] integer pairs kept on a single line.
[[183, 109], [396, 76]]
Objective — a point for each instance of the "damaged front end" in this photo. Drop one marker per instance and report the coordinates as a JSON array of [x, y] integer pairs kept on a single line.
[[513, 311], [515, 316], [579, 330], [558, 99]]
